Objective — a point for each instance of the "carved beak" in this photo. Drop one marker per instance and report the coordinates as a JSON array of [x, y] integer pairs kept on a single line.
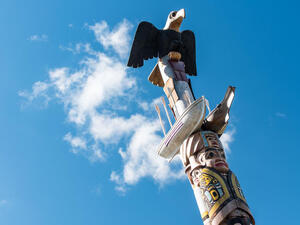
[[181, 13]]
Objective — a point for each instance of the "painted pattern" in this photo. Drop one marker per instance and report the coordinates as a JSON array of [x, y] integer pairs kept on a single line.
[[213, 190]]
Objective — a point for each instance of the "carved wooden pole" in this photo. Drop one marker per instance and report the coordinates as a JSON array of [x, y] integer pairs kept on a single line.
[[194, 135], [217, 191]]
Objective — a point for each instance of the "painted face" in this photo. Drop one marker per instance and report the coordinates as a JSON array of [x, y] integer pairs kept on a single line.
[[214, 158]]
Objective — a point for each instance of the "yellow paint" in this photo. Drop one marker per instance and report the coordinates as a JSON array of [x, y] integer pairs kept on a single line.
[[204, 178], [226, 192], [203, 215], [214, 194]]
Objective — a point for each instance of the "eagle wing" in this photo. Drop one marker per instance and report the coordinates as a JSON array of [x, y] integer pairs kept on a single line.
[[189, 52], [144, 45]]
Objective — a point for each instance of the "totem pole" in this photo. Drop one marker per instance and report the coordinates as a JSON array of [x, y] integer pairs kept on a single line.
[[194, 136]]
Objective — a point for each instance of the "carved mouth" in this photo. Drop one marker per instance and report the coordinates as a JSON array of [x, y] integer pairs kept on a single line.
[[221, 163]]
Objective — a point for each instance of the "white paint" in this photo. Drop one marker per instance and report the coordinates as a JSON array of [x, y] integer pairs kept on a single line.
[[182, 88]]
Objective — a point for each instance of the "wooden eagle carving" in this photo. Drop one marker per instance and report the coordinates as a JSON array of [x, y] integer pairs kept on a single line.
[[151, 42]]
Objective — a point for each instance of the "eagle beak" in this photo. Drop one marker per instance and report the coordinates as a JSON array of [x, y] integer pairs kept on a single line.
[[181, 13]]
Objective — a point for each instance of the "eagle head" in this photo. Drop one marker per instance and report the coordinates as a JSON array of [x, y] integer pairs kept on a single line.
[[174, 20]]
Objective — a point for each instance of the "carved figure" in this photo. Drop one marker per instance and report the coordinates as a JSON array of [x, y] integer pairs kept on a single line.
[[176, 52], [177, 56], [218, 193], [195, 137]]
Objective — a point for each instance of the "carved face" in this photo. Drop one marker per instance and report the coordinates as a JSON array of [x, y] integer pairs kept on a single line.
[[214, 158]]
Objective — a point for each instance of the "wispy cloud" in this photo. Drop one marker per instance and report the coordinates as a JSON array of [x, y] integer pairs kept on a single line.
[[36, 37], [79, 48], [227, 138], [3, 202], [75, 142], [280, 114], [95, 97], [39, 91]]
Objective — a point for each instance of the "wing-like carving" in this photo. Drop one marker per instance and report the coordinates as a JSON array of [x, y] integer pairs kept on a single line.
[[189, 52], [144, 45]]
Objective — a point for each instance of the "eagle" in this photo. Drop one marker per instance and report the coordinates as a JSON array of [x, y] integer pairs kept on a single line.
[[151, 42]]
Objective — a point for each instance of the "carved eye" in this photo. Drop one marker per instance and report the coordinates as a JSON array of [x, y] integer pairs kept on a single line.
[[209, 155], [195, 173], [223, 155]]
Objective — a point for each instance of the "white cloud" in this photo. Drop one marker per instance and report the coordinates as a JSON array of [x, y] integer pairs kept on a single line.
[[121, 189], [141, 158], [106, 79], [110, 129], [227, 138], [115, 177], [38, 89], [94, 95], [144, 105], [37, 37], [97, 154], [118, 38], [75, 142], [80, 146]]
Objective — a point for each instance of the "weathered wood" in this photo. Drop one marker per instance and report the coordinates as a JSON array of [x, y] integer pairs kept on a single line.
[[216, 188], [161, 122], [165, 107]]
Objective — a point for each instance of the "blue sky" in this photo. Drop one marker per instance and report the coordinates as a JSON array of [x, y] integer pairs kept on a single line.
[[78, 129]]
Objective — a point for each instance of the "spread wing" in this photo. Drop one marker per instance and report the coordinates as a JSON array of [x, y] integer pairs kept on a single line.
[[144, 45], [189, 52]]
